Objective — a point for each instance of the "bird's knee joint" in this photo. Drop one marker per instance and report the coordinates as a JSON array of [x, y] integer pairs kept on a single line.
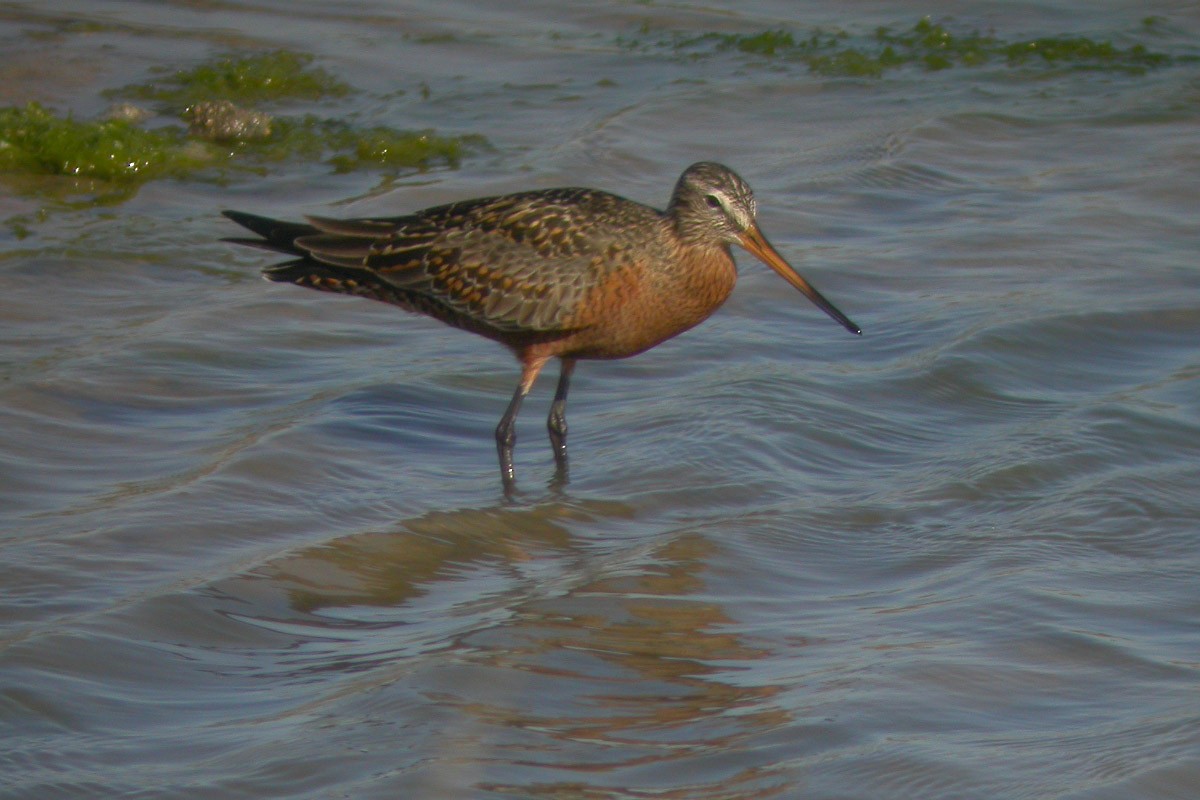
[[506, 436]]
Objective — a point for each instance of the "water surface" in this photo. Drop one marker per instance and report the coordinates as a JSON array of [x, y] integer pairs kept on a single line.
[[253, 542]]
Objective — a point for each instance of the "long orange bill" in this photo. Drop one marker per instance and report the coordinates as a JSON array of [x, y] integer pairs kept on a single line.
[[754, 241]]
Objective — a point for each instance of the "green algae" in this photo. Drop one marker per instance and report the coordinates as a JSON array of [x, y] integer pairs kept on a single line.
[[348, 148], [1078, 50], [35, 140], [259, 78], [46, 153], [927, 45], [385, 147]]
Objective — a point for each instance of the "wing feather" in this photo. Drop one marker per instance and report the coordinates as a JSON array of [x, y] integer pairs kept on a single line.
[[518, 263]]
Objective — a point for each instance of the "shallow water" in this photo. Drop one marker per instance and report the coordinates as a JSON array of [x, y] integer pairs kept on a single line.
[[253, 542]]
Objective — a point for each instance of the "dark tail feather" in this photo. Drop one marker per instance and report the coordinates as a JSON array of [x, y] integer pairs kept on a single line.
[[293, 272], [313, 274], [327, 278], [277, 235]]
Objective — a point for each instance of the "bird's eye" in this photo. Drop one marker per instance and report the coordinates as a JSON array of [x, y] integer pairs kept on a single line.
[[712, 200]]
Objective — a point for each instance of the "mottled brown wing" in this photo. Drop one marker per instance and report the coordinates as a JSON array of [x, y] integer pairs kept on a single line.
[[522, 262]]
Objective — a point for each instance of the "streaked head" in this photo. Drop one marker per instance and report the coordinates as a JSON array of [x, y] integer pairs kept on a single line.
[[712, 204]]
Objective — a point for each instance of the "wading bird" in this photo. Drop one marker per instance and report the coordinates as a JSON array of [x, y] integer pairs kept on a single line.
[[567, 273]]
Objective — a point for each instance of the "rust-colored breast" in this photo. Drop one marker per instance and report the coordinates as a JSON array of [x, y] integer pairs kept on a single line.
[[653, 295]]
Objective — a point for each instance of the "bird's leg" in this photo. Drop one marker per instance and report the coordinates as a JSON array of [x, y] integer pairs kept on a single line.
[[506, 431], [557, 422]]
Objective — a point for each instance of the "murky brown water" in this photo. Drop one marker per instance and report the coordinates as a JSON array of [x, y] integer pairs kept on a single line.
[[253, 541]]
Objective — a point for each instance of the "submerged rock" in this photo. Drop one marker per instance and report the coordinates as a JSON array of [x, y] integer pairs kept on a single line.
[[222, 121], [128, 112]]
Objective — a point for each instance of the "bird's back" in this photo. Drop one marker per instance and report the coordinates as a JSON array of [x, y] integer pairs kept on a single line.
[[513, 264]]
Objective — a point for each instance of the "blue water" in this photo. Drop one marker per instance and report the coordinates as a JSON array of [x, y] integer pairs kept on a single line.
[[253, 542]]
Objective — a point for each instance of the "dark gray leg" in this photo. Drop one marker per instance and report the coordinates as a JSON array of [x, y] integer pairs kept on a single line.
[[557, 422], [506, 431]]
